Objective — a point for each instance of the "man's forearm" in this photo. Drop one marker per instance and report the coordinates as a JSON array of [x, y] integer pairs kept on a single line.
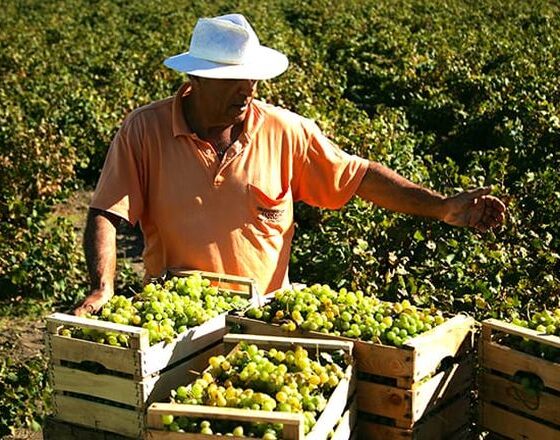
[[101, 249], [389, 190]]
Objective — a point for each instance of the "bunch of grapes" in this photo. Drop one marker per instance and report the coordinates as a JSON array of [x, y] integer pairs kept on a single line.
[[345, 313], [257, 379], [546, 322], [164, 309]]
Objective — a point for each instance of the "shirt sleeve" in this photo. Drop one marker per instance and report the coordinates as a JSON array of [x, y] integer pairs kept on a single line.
[[329, 177], [119, 189]]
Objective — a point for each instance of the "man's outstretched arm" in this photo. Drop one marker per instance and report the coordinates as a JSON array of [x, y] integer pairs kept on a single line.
[[100, 246], [387, 189]]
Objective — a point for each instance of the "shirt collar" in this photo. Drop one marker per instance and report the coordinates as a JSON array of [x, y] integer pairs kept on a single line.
[[180, 126], [253, 120]]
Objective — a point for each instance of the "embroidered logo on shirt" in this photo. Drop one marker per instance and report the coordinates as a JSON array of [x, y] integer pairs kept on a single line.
[[272, 215]]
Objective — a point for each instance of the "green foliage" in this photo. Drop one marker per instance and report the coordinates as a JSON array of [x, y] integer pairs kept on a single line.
[[451, 94], [24, 394]]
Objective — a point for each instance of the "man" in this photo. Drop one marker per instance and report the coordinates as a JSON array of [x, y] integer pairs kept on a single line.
[[212, 174]]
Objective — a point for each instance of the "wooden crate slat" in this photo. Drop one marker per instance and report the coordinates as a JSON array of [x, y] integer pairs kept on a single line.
[[384, 400], [442, 387], [517, 330], [285, 342], [510, 361], [513, 425], [256, 327], [124, 360], [347, 424], [63, 319], [157, 388], [218, 413], [441, 425], [384, 360], [249, 284], [54, 429], [444, 340], [159, 356], [502, 390], [105, 386], [98, 415]]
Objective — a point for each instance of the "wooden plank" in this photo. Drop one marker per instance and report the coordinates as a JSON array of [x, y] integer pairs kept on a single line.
[[139, 337], [157, 388], [54, 429], [506, 392], [441, 425], [384, 360], [517, 330], [515, 426], [156, 410], [446, 421], [248, 284], [98, 415], [444, 340], [105, 386], [159, 356], [284, 342], [510, 361], [384, 400], [347, 424], [441, 388], [124, 360]]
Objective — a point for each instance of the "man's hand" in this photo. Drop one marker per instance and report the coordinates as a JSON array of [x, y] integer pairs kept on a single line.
[[474, 208], [93, 302]]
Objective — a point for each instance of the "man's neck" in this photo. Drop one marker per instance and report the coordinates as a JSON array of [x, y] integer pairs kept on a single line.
[[220, 136]]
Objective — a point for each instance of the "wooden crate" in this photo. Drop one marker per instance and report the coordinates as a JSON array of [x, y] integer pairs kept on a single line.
[[392, 381], [292, 423], [115, 398], [446, 422], [54, 429], [506, 408]]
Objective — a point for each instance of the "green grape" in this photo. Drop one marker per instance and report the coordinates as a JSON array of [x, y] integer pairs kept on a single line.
[[167, 419]]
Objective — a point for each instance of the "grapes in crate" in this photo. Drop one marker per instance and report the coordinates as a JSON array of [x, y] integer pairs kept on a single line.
[[255, 379], [345, 313], [164, 309], [546, 322]]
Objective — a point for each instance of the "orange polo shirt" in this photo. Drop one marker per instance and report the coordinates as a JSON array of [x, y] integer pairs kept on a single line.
[[233, 216]]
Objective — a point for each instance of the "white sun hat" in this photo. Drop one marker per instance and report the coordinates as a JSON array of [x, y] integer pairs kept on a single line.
[[227, 47]]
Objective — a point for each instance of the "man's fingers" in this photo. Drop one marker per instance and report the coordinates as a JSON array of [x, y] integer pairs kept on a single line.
[[476, 213], [479, 192], [87, 307]]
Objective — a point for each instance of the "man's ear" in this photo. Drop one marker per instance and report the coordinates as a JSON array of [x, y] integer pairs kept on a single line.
[[194, 80]]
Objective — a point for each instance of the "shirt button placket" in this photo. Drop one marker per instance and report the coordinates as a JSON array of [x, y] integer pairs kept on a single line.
[[218, 180]]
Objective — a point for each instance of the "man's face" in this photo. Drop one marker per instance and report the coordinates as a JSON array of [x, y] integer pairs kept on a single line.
[[225, 101]]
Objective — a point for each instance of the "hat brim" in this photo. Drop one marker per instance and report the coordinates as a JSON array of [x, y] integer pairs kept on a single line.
[[266, 63]]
